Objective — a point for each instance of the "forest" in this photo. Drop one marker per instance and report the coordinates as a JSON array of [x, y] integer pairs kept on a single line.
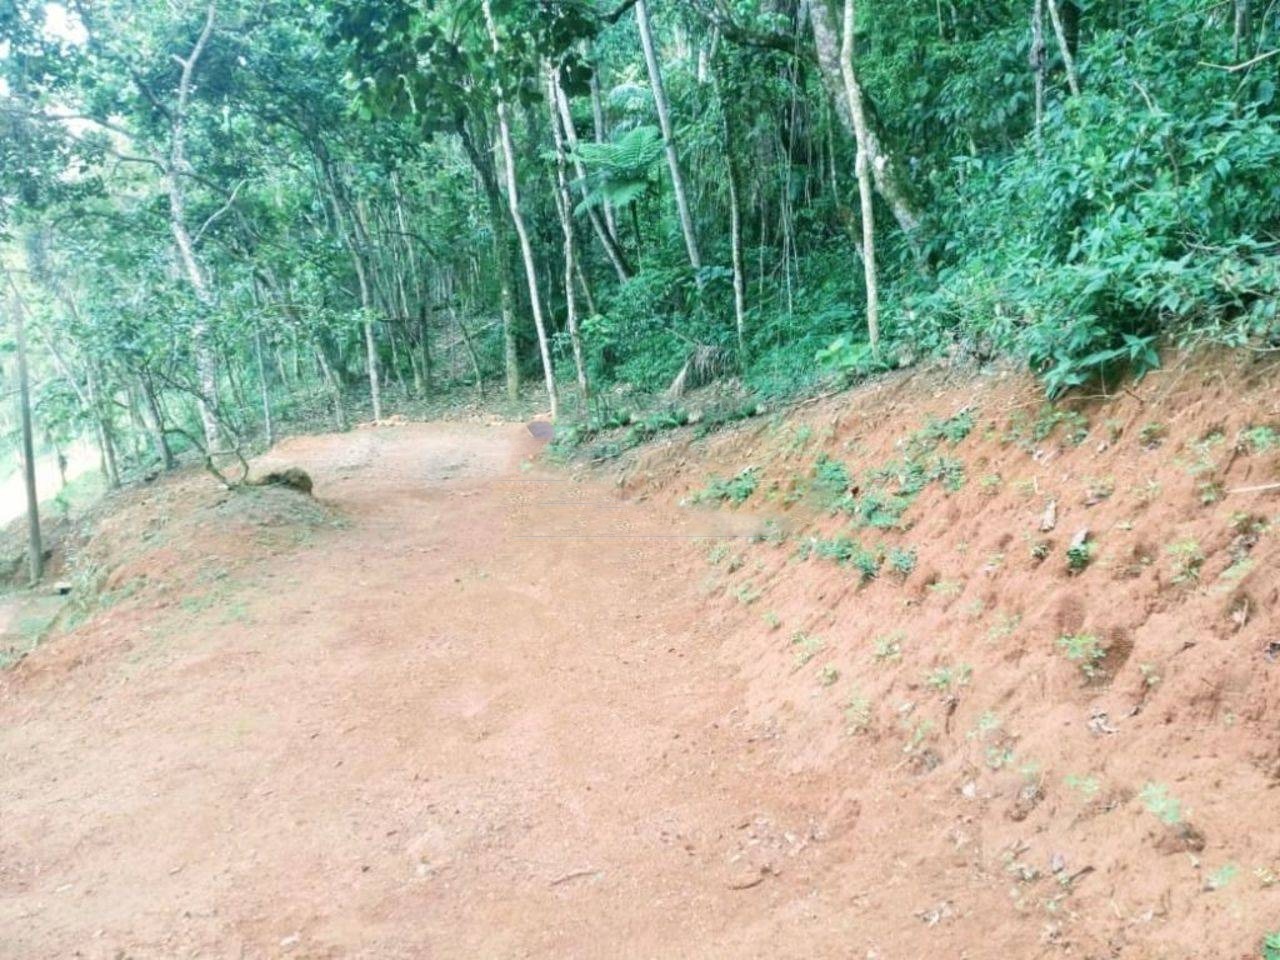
[[639, 478], [223, 217]]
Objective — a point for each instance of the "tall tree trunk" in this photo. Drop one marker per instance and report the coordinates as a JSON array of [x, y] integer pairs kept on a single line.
[[356, 240], [861, 133], [481, 162], [424, 349], [735, 214], [110, 468], [154, 419], [668, 138], [448, 294], [419, 359], [522, 234], [35, 547], [1037, 58], [332, 385], [268, 423], [586, 289], [565, 206], [236, 383], [175, 170], [1064, 48], [1242, 38], [884, 174]]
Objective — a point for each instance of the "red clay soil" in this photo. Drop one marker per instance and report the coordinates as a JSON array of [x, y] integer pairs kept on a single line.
[[470, 707]]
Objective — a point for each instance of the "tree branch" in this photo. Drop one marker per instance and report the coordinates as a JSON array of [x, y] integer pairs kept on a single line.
[[218, 213], [1233, 68]]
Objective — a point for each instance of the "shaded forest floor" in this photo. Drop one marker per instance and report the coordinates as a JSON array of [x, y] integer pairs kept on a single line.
[[713, 698]]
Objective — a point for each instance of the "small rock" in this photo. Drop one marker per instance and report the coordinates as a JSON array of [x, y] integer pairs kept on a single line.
[[291, 941], [1028, 799], [1099, 724], [1050, 518], [939, 913], [1080, 539], [1057, 863]]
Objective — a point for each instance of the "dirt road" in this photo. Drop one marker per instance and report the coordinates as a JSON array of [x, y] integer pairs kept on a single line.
[[479, 720]]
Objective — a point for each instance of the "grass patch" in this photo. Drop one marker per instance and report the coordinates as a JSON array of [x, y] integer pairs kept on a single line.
[[1162, 804], [736, 490], [1085, 650]]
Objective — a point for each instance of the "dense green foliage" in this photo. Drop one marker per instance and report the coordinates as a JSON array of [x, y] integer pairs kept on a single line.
[[220, 215]]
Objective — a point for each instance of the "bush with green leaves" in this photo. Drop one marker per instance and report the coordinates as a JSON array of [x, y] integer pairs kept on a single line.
[[831, 480], [1080, 555], [736, 489], [1085, 650], [902, 560]]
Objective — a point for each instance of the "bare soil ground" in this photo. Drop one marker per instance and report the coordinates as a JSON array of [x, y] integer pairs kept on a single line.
[[465, 706], [425, 726]]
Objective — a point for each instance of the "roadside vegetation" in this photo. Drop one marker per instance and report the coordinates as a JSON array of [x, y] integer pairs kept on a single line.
[[221, 220]]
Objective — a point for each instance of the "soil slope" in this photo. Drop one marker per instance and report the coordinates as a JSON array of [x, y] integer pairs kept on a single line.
[[1038, 644]]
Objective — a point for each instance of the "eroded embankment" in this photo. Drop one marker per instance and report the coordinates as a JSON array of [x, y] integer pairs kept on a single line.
[[1038, 643]]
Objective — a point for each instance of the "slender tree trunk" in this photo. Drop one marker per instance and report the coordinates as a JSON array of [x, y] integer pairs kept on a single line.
[[140, 432], [109, 466], [522, 234], [788, 240], [597, 117], [735, 215], [282, 370], [175, 170], [87, 396], [354, 240], [883, 170], [507, 307], [668, 139], [35, 547], [366, 310], [1037, 68], [854, 94], [1242, 39], [565, 206], [424, 350], [604, 231], [268, 423], [466, 340], [585, 288], [333, 386], [297, 356], [397, 367], [1064, 48], [483, 166], [155, 423]]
